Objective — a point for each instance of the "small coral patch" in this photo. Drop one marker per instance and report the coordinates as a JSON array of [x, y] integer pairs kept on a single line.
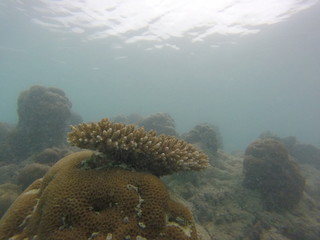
[[140, 149]]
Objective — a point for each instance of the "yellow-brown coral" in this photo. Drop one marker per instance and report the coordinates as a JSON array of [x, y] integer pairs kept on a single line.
[[146, 151], [75, 203]]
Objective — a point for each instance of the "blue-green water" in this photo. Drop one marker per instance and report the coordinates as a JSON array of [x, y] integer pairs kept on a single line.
[[245, 83]]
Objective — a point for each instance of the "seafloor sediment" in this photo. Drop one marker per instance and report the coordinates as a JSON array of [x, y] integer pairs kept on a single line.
[[229, 211]]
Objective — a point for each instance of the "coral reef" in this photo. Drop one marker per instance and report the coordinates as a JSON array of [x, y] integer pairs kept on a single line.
[[5, 129], [269, 169], [43, 116], [141, 150], [8, 172], [71, 202], [206, 136], [162, 123], [302, 153], [228, 210], [8, 193], [31, 172], [306, 153], [312, 175], [50, 156]]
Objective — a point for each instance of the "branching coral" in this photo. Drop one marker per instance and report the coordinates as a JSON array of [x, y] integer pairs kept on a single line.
[[141, 150]]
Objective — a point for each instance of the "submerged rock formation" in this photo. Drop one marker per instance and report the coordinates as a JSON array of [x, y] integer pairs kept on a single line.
[[268, 168], [43, 116], [161, 123], [206, 136]]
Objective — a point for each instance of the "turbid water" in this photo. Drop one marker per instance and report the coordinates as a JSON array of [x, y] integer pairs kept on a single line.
[[242, 66]]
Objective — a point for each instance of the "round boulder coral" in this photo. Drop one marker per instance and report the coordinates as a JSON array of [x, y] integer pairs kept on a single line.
[[8, 193], [162, 123], [5, 129], [206, 136], [72, 202], [30, 173], [268, 168], [43, 116]]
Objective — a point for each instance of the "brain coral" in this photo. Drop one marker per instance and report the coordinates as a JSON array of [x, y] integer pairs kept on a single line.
[[71, 202], [269, 169], [31, 172], [141, 150], [8, 193]]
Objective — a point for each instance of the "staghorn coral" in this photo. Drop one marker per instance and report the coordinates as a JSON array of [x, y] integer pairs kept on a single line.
[[75, 203], [141, 150], [269, 169]]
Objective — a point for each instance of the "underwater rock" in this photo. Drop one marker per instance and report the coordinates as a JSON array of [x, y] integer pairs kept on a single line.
[[302, 153], [268, 168], [5, 129], [43, 116], [206, 136], [306, 153], [162, 123], [313, 181], [71, 202]]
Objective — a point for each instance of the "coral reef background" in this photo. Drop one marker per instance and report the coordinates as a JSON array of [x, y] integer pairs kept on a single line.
[[221, 202]]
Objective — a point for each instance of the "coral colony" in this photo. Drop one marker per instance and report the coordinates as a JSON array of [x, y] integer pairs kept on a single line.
[[110, 195]]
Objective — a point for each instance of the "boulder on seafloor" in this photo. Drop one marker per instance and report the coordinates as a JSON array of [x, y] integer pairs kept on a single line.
[[268, 168]]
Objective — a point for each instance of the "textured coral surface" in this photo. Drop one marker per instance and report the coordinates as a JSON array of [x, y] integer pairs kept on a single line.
[[142, 150], [269, 169], [75, 203]]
